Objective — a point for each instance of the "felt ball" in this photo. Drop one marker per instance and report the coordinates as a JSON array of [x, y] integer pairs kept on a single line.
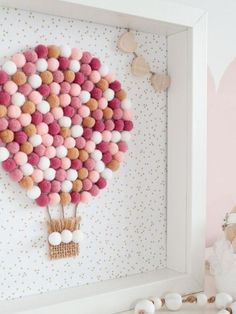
[[26, 182], [65, 51], [96, 137], [3, 124], [96, 93], [13, 111], [95, 63], [54, 198], [82, 173], [19, 78], [9, 164], [30, 130], [69, 142], [69, 111], [6, 136], [54, 238], [42, 65], [9, 67], [73, 153], [75, 198], [19, 60], [107, 113], [103, 70], [47, 140], [27, 169], [35, 97], [55, 162], [107, 174], [63, 63], [12, 147], [96, 155], [60, 175], [25, 119], [121, 94], [66, 236], [114, 103], [3, 111], [126, 104], [65, 163], [58, 76], [86, 57], [61, 151], [33, 159], [53, 101], [102, 103], [76, 53], [34, 192], [28, 107], [65, 122], [115, 86], [84, 96], [55, 88], [29, 68], [85, 196], [40, 150], [4, 153], [109, 125], [109, 94], [99, 166], [119, 125], [106, 136], [84, 111], [87, 184], [35, 140], [83, 155], [48, 118], [89, 164], [50, 151], [71, 175], [87, 133], [75, 102], [77, 186], [88, 86], [49, 174], [44, 163], [113, 165], [42, 201], [26, 148], [53, 128], [57, 113], [46, 77], [95, 77], [80, 142], [69, 76], [65, 198], [25, 89], [90, 146], [117, 114], [99, 126], [16, 175], [102, 85], [18, 99], [128, 125], [53, 51], [65, 100], [65, 132], [88, 122], [85, 69], [20, 158], [107, 157], [119, 156], [45, 186], [44, 90], [76, 164], [97, 114], [66, 186], [41, 50], [79, 78], [58, 140], [94, 191], [65, 87], [75, 89], [115, 136], [5, 98], [3, 77], [10, 87], [101, 183], [125, 136], [110, 77], [42, 128], [53, 64], [35, 80], [43, 107], [37, 175], [94, 176]]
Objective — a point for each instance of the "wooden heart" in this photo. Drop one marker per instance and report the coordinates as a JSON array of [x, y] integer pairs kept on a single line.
[[160, 82], [127, 42], [139, 67]]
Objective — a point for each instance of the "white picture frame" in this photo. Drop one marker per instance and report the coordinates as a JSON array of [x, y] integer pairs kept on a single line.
[[186, 30]]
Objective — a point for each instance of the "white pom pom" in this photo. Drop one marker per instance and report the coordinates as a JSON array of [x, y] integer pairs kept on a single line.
[[27, 169], [126, 104], [157, 303], [9, 67], [201, 299], [34, 192], [61, 151], [65, 122], [76, 131], [74, 65], [115, 136], [49, 174], [96, 155], [35, 140], [66, 186], [173, 301], [77, 236], [35, 81], [96, 137], [43, 107], [125, 136], [41, 65], [104, 70], [84, 96], [66, 236], [109, 94], [99, 166], [107, 174], [18, 99], [54, 238], [65, 51], [144, 306], [71, 175], [4, 154], [223, 300], [44, 163]]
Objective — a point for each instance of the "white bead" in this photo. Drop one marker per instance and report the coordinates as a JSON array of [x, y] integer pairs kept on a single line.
[[84, 96], [65, 122], [61, 151], [173, 301], [233, 307], [41, 65], [34, 192], [126, 104], [18, 99], [76, 131], [27, 169], [35, 81], [66, 186], [35, 140], [223, 300], [54, 238], [71, 175], [77, 236], [201, 299], [157, 303], [49, 174], [66, 236], [99, 166], [104, 70], [107, 174], [125, 136], [74, 65], [146, 306], [115, 136], [96, 155], [9, 67], [223, 312], [96, 137], [109, 94], [65, 51], [43, 107], [44, 163], [4, 154]]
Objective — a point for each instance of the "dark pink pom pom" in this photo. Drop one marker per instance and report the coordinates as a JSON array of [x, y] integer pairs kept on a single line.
[[116, 86], [42, 200], [128, 125], [54, 128], [9, 164], [76, 164], [107, 157], [75, 197], [55, 186], [31, 56], [42, 51], [101, 183], [45, 186], [122, 146], [103, 146], [89, 164], [114, 103], [63, 63], [44, 90], [55, 163], [86, 57], [3, 77], [69, 111], [37, 117], [33, 159], [4, 98], [48, 118], [87, 133], [109, 125], [94, 191], [96, 93], [79, 78], [119, 125], [99, 126], [95, 63], [87, 184]]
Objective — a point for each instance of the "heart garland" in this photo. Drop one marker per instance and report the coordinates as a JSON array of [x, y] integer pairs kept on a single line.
[[64, 125]]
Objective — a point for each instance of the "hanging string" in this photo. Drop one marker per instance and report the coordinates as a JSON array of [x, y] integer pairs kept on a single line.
[[76, 210], [49, 215], [63, 211]]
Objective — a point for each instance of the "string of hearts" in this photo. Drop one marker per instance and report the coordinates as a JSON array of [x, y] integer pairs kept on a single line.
[[139, 66]]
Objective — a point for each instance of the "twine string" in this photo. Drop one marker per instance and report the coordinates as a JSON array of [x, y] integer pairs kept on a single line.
[[63, 211], [49, 215]]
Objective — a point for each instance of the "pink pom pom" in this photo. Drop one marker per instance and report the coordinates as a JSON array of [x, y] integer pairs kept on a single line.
[[65, 163], [65, 88], [10, 87], [14, 125], [63, 63], [20, 137], [75, 89], [88, 86], [101, 183], [85, 196], [50, 151], [48, 118], [87, 133], [54, 198], [103, 146], [55, 163], [76, 119], [79, 78], [80, 142], [110, 77], [20, 158], [96, 93], [127, 114], [109, 125], [25, 119], [69, 111], [84, 111], [117, 114], [119, 156], [54, 128], [42, 200], [65, 100], [42, 51], [13, 147], [106, 136], [53, 64], [56, 186], [60, 175], [95, 63], [119, 125], [75, 197], [57, 113], [75, 102], [114, 103], [95, 77], [37, 175], [113, 148], [86, 57], [122, 146], [3, 124], [94, 191], [19, 60], [40, 150], [3, 77], [37, 117], [90, 146], [93, 176], [44, 90], [87, 184], [107, 157], [55, 88], [25, 89], [35, 97], [89, 164], [128, 125], [33, 159], [58, 76], [31, 56], [76, 54], [29, 68], [69, 142], [13, 111], [116, 86], [76, 164], [47, 140], [97, 114], [5, 98], [57, 140], [102, 103], [9, 164], [45, 186], [85, 69], [99, 126], [16, 175]]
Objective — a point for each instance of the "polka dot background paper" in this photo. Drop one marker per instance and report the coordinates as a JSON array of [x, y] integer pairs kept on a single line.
[[125, 225]]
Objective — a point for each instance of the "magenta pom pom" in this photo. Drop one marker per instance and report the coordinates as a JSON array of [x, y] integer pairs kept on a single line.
[[119, 125], [16, 175], [94, 191], [86, 57], [9, 164], [114, 103], [107, 157], [99, 126], [75, 197], [87, 133], [79, 78], [31, 56], [116, 86], [37, 117], [53, 128], [122, 146], [95, 63], [5, 98], [96, 93], [63, 63], [3, 124], [69, 111], [20, 137], [42, 51], [55, 163], [101, 183], [44, 90], [45, 186], [42, 200], [128, 125], [33, 159], [103, 147], [3, 77]]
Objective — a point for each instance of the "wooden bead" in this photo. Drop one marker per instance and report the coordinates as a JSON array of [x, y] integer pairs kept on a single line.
[[107, 113], [53, 100], [139, 66], [113, 165], [83, 155], [28, 107], [65, 198], [7, 136], [121, 94], [26, 147], [127, 42], [3, 111], [92, 104], [46, 77], [30, 130], [19, 78], [73, 153], [82, 173], [53, 51], [77, 186], [103, 84], [65, 132], [88, 122], [26, 182], [69, 76]]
